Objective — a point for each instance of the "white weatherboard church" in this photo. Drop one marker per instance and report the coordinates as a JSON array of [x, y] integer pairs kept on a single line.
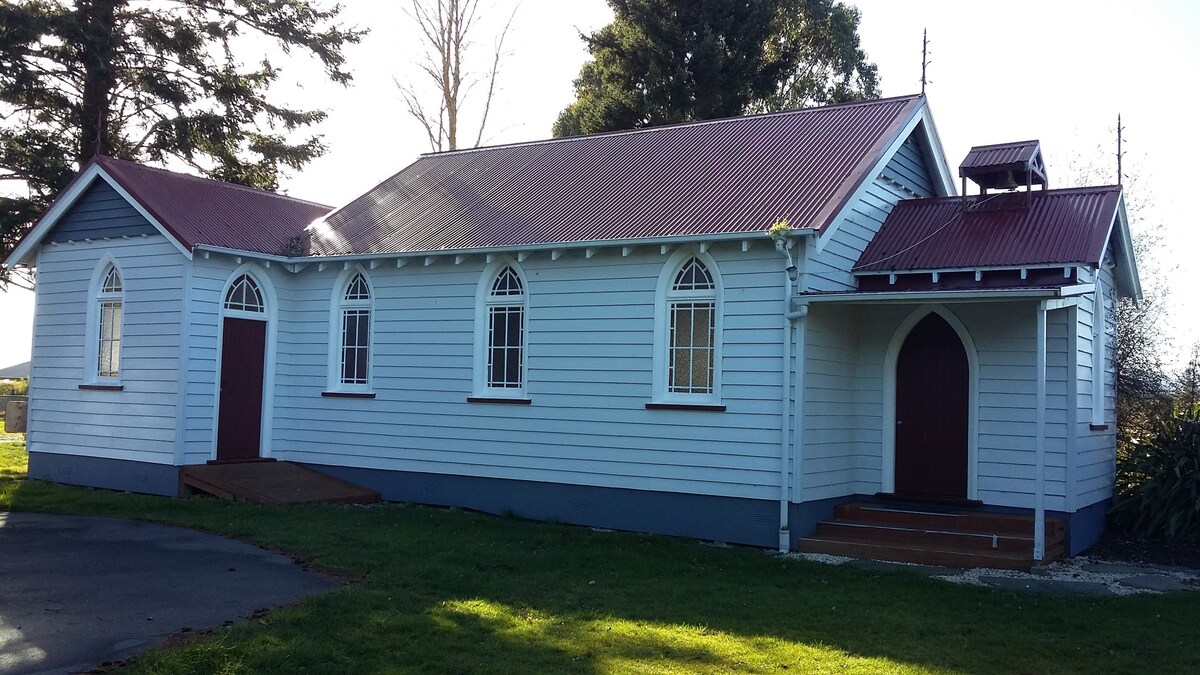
[[599, 330]]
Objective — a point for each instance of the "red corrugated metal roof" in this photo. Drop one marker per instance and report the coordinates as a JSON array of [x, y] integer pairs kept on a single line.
[[202, 211], [999, 156], [1060, 227], [723, 176]]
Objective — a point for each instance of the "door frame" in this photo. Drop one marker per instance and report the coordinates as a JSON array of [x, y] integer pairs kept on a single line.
[[890, 360], [268, 315]]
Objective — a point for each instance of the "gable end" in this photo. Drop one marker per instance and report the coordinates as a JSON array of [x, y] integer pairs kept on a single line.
[[100, 212]]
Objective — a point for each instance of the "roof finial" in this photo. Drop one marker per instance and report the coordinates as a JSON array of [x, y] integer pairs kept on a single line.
[[924, 57], [1119, 153]]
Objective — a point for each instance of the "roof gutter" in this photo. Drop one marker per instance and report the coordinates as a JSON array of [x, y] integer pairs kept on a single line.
[[485, 250], [950, 296]]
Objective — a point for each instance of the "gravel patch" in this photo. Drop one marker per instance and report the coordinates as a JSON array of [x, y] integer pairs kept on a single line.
[[1080, 574]]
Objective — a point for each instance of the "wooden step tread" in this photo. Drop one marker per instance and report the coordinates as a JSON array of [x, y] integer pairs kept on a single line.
[[941, 556], [273, 483], [959, 521], [890, 534]]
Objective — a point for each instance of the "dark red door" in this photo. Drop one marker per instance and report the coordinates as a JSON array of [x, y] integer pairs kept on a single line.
[[239, 423], [932, 392]]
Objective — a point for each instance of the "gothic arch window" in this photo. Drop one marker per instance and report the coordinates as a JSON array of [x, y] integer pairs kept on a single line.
[[687, 336], [354, 319], [501, 332], [244, 295], [110, 316]]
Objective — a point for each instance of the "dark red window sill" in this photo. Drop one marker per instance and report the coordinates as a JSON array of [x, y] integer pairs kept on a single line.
[[686, 406], [507, 401], [348, 394], [102, 387]]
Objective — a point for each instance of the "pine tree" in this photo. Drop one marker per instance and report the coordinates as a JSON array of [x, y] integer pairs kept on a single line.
[[151, 82], [668, 61]]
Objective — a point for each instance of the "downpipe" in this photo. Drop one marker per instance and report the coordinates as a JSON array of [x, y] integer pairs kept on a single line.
[[784, 246]]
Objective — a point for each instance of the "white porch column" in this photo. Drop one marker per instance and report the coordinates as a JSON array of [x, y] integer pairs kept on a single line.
[[1039, 503]]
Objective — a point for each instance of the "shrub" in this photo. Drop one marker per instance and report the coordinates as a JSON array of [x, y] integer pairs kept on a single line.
[[14, 387], [1158, 480]]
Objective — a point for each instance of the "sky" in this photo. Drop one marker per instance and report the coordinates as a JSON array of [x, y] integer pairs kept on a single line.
[[1057, 71]]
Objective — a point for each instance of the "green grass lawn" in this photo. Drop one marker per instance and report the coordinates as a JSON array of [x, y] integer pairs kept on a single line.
[[444, 591]]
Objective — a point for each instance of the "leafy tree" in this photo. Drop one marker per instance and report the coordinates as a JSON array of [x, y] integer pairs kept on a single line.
[[1143, 397], [1187, 382], [667, 61], [151, 82]]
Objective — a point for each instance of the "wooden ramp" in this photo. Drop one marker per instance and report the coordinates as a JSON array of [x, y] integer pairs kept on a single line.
[[933, 536], [271, 483]]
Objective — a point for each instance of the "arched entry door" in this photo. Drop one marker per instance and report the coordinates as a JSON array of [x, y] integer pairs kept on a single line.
[[932, 407], [243, 360]]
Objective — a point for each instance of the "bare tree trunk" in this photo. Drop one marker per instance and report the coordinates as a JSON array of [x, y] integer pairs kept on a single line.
[[446, 27], [98, 18]]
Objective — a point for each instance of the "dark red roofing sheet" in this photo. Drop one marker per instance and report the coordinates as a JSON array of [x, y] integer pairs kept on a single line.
[[722, 176], [202, 211], [1060, 227], [1017, 154]]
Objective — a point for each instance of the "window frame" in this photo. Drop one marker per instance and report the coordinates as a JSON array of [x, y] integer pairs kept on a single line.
[[485, 302], [340, 305], [667, 298], [98, 298]]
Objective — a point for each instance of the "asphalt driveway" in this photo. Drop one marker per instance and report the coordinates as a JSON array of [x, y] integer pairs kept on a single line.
[[76, 592]]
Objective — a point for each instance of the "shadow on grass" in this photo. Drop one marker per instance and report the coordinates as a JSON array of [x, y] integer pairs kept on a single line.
[[446, 591]]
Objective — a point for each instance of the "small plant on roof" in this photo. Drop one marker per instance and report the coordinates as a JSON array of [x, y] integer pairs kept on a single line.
[[779, 230]]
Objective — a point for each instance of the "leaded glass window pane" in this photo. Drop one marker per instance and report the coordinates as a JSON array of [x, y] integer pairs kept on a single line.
[[109, 358], [692, 347], [112, 281]]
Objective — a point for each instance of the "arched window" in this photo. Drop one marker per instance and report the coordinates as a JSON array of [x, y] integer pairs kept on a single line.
[[355, 353], [503, 357], [692, 321], [244, 295], [687, 333], [110, 316]]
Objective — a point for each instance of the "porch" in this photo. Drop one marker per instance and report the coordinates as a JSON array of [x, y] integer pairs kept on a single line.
[[980, 398]]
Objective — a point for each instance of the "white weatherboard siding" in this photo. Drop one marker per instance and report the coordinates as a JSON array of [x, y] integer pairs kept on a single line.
[[1096, 459], [843, 408], [210, 278], [833, 396], [137, 423], [1005, 337], [904, 176], [590, 351]]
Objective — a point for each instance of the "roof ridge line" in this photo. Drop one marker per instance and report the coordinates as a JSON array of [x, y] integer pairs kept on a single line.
[[677, 125], [102, 159], [1051, 191]]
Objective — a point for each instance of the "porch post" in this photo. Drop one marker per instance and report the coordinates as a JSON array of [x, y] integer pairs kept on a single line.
[[1039, 503]]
